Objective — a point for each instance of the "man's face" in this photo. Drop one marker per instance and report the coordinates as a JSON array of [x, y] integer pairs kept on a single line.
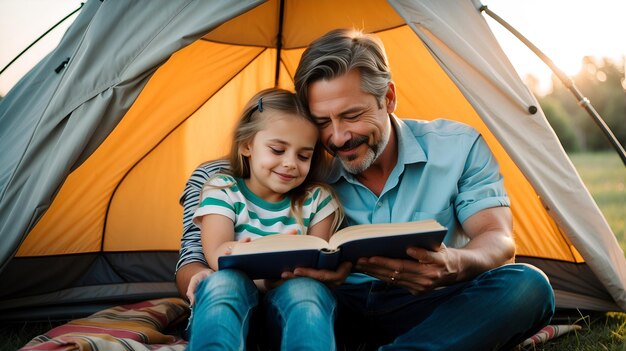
[[352, 126]]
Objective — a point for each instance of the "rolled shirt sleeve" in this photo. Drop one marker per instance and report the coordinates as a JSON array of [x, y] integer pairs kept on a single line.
[[481, 185]]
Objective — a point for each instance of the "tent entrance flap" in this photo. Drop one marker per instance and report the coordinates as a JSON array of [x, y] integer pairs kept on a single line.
[[567, 82]]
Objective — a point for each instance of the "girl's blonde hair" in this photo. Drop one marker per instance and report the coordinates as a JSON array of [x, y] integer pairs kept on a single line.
[[252, 120]]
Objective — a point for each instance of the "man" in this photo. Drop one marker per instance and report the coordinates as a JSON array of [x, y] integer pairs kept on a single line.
[[461, 297]]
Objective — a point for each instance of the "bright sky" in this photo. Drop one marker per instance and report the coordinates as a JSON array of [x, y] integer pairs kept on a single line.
[[565, 30]]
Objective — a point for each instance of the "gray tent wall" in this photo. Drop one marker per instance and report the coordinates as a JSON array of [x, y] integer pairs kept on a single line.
[[50, 122]]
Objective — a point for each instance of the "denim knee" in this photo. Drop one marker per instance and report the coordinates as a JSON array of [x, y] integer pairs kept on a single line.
[[306, 287], [531, 280], [220, 316], [301, 315], [542, 286], [530, 288], [303, 292], [226, 283]]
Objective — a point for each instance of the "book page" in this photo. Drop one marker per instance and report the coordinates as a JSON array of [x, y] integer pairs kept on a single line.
[[362, 231], [280, 242]]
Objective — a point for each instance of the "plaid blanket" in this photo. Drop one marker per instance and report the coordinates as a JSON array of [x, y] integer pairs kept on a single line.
[[138, 326], [142, 327]]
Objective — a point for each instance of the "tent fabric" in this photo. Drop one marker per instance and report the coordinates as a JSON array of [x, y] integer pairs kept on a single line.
[[78, 107], [88, 209], [464, 54]]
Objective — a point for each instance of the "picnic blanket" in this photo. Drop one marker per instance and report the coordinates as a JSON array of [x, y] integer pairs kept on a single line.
[[139, 326], [548, 332], [142, 326]]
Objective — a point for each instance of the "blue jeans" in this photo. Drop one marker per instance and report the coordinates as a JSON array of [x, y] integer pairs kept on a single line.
[[299, 314], [496, 310]]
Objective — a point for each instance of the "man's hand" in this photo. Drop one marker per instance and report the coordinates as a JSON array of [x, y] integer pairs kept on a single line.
[[330, 278], [491, 245], [269, 284], [429, 270], [195, 280]]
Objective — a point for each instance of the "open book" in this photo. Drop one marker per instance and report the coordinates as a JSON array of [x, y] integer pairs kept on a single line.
[[269, 256]]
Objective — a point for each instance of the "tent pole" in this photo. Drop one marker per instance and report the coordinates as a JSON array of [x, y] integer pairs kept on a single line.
[[568, 82], [279, 41], [40, 37]]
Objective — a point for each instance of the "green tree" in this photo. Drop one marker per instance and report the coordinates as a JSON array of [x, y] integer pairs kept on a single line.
[[602, 82], [558, 119]]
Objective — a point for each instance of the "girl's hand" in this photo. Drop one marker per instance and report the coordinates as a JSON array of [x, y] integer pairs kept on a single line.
[[270, 284], [195, 280], [229, 249], [265, 285]]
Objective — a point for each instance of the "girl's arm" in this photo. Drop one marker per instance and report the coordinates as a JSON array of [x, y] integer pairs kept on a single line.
[[327, 205], [324, 228], [218, 237]]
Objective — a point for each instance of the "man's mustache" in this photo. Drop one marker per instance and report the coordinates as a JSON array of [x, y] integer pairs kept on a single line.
[[350, 144]]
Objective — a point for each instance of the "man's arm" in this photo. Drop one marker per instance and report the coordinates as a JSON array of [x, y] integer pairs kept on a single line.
[[491, 245], [491, 242], [189, 276], [192, 266]]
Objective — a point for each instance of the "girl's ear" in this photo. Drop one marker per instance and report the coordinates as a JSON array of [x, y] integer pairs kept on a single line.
[[245, 149]]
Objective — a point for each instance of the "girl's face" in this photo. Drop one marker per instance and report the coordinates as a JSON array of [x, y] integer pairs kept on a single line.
[[280, 155]]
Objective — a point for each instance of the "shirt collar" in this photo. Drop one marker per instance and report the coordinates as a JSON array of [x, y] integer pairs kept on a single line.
[[409, 151]]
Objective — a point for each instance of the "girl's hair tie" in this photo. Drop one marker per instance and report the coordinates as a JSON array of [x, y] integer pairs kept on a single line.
[[260, 105]]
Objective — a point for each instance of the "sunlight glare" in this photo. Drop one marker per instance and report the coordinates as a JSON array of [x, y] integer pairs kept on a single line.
[[565, 30], [568, 61]]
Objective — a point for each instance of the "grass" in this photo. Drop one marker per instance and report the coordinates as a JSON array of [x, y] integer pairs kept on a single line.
[[605, 332], [13, 336], [605, 177]]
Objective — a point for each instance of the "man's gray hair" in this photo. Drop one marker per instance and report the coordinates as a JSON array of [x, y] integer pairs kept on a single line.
[[339, 52]]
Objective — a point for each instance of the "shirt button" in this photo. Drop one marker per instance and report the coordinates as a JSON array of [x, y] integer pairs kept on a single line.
[[379, 204]]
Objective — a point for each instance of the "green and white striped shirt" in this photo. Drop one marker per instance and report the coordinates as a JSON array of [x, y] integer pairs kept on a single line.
[[254, 217]]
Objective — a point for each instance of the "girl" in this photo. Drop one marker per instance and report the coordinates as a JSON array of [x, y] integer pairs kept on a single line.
[[275, 162]]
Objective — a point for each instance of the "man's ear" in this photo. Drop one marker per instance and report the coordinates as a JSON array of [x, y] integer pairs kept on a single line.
[[390, 98]]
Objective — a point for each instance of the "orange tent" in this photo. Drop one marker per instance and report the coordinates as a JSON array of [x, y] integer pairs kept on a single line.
[[96, 155]]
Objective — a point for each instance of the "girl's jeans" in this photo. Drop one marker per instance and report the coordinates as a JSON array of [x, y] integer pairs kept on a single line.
[[299, 314]]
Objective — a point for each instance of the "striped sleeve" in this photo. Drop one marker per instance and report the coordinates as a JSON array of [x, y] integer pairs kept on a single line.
[[190, 245], [217, 200], [323, 205]]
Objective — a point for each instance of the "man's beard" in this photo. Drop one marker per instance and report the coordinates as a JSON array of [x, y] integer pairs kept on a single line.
[[370, 156]]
